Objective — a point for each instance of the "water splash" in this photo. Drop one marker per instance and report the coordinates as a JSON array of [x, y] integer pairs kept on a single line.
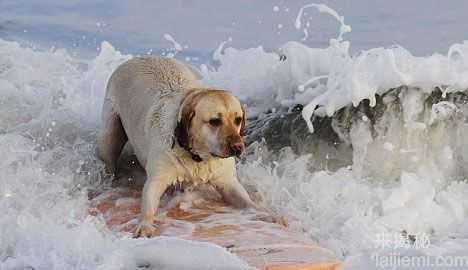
[[322, 8]]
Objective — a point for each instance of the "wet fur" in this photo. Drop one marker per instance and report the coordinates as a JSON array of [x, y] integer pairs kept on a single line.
[[156, 105]]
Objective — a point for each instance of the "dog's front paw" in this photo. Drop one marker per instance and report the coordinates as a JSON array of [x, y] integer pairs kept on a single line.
[[273, 218], [144, 229]]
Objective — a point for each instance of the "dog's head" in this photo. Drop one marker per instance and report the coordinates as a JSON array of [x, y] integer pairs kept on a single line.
[[211, 123]]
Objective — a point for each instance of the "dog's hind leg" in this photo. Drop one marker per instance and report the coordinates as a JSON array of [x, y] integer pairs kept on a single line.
[[111, 138]]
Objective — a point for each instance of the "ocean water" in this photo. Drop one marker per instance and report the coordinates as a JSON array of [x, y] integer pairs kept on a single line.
[[422, 27], [407, 182]]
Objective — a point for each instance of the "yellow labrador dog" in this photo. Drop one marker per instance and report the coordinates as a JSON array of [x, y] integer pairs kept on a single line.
[[179, 132]]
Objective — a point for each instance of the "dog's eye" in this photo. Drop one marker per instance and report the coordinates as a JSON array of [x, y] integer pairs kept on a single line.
[[215, 122], [238, 120]]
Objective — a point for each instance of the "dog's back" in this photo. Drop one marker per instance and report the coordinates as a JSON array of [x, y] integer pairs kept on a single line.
[[138, 92], [151, 75]]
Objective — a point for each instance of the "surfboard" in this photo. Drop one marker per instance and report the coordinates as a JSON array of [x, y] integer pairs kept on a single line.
[[246, 233]]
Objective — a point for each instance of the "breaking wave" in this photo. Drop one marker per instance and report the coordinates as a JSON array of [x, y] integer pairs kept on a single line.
[[407, 171]]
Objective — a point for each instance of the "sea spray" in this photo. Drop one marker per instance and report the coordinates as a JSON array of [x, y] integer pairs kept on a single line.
[[50, 104], [393, 158], [402, 167]]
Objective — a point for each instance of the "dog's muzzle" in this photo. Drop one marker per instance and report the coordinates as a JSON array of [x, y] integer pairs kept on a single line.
[[236, 147]]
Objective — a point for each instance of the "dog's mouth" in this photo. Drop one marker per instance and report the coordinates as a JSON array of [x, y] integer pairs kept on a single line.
[[226, 156], [218, 156]]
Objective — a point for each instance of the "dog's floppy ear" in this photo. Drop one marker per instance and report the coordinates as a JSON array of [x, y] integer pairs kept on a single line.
[[182, 133], [184, 120], [242, 129]]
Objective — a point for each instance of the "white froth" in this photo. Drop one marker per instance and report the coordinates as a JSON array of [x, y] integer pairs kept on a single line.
[[50, 107], [332, 77], [408, 179], [176, 45]]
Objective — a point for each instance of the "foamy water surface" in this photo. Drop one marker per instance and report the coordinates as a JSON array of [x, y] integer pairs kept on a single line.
[[409, 176]]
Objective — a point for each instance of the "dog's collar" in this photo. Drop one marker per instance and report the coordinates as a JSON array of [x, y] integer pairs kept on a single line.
[[195, 157]]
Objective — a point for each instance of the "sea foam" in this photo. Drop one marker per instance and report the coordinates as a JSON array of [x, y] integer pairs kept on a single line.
[[408, 180]]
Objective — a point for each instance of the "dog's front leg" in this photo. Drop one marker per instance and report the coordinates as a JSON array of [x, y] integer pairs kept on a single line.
[[236, 195], [152, 191], [231, 189]]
